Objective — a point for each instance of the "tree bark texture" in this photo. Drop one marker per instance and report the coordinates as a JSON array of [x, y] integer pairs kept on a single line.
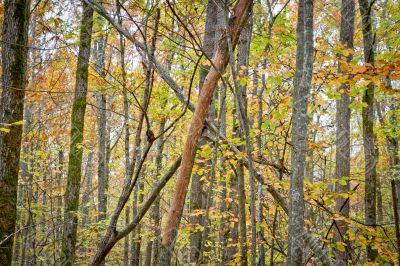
[[342, 166], [77, 128], [14, 58], [302, 85], [368, 124], [197, 201]]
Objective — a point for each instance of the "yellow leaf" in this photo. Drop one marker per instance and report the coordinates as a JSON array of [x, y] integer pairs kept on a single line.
[[18, 123], [340, 246]]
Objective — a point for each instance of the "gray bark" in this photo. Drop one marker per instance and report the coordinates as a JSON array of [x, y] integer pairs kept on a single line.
[[197, 200], [88, 188], [244, 131], [102, 132], [342, 166], [126, 129], [155, 212], [244, 50], [302, 85]]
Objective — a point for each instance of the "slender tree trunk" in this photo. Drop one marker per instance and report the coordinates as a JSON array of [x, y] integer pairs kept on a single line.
[[86, 203], [77, 127], [261, 246], [88, 188], [394, 182], [242, 200], [241, 114], [343, 132], [126, 240], [272, 251], [229, 225], [368, 125], [302, 85], [225, 228], [258, 93], [243, 61], [102, 170], [155, 212], [197, 200], [126, 129], [379, 203], [393, 149], [136, 236], [14, 57], [149, 249]]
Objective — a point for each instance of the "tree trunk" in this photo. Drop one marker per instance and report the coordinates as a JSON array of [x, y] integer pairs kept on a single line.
[[343, 132], [241, 93], [102, 170], [225, 228], [261, 246], [302, 85], [77, 128], [392, 144], [229, 225], [14, 57], [197, 200], [88, 188], [368, 125], [86, 202], [126, 128], [155, 212]]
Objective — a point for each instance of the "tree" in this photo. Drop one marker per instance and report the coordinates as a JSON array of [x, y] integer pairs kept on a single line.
[[197, 200], [102, 130], [77, 129], [302, 85], [14, 57], [368, 124], [342, 166]]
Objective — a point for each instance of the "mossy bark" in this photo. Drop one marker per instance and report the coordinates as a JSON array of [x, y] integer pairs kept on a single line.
[[368, 125], [14, 56], [77, 127]]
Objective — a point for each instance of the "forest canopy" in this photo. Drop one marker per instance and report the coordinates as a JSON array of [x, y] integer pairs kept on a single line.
[[206, 132]]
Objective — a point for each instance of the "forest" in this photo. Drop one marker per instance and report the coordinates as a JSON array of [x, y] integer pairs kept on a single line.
[[202, 132]]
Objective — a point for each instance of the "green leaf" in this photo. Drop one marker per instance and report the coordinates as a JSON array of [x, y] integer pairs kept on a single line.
[[328, 201], [4, 129]]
